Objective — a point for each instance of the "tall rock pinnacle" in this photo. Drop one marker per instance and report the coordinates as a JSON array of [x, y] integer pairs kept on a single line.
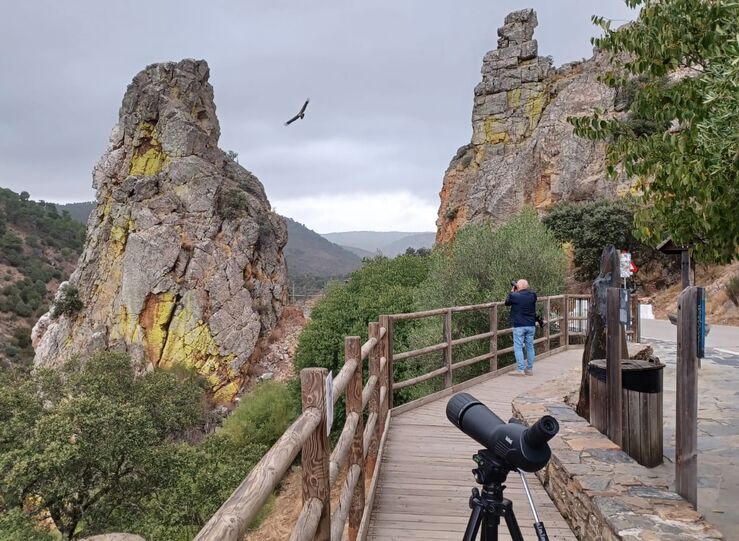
[[183, 259], [523, 152]]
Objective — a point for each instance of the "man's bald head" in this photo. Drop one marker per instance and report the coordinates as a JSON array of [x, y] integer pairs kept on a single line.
[[522, 284]]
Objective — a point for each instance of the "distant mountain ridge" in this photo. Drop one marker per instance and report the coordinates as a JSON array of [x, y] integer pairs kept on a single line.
[[309, 254], [388, 243]]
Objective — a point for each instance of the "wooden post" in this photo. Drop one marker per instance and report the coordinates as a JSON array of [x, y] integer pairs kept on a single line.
[[387, 352], [494, 338], [353, 350], [564, 337], [374, 402], [448, 348], [686, 436], [316, 450], [685, 268], [546, 321], [613, 366]]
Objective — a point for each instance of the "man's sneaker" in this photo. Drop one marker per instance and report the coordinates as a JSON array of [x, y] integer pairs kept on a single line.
[[518, 373], [529, 371]]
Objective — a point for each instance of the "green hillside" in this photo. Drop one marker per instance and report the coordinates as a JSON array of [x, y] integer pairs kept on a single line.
[[39, 247], [309, 254]]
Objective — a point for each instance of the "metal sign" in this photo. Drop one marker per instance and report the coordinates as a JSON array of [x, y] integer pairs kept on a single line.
[[624, 312], [701, 305], [329, 394], [626, 266]]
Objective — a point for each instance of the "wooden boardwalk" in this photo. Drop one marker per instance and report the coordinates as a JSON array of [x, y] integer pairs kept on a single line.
[[425, 477]]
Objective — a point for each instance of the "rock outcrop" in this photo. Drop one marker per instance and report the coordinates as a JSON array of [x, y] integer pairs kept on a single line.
[[183, 259], [523, 151]]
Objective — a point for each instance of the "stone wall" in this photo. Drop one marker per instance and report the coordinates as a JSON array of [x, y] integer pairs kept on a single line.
[[601, 491]]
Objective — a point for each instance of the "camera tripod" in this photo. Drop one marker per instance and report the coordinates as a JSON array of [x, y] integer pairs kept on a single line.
[[489, 505]]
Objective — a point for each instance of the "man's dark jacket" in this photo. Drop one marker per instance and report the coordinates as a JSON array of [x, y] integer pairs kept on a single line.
[[523, 308]]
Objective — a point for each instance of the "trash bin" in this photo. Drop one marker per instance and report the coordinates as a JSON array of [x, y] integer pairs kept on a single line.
[[642, 407]]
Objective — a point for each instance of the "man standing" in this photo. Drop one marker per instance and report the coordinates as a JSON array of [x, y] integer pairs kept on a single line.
[[523, 315]]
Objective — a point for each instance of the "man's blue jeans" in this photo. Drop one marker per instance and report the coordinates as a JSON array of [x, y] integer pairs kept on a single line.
[[521, 335]]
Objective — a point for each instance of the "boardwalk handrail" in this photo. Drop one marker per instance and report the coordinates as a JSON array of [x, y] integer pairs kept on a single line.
[[358, 451]]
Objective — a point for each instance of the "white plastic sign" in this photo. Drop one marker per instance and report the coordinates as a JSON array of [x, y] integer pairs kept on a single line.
[[626, 265], [329, 394]]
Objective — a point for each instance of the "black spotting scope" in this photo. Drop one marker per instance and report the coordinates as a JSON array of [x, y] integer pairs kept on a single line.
[[522, 448]]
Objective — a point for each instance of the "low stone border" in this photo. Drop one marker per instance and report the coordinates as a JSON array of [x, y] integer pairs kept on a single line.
[[601, 491]]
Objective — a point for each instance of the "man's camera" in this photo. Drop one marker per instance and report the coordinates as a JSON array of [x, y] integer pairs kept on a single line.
[[514, 285]]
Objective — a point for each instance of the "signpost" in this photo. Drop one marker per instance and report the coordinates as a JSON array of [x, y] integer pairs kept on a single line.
[[329, 394]]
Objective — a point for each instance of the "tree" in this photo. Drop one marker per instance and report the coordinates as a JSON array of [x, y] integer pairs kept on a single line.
[[83, 441], [681, 56], [24, 196]]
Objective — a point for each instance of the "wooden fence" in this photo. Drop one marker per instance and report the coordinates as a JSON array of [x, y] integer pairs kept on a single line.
[[358, 451]]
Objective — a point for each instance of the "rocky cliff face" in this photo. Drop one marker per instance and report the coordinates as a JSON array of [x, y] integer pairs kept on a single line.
[[523, 151], [183, 259]]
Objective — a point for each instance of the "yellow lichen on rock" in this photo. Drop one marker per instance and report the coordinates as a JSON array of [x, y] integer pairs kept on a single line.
[[495, 131], [148, 158], [513, 98], [534, 107], [189, 343], [154, 319]]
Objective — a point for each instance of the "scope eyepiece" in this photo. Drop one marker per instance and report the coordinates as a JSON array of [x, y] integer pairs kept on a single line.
[[541, 431]]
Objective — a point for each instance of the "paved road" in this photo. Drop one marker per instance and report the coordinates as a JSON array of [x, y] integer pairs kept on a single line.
[[719, 337], [718, 419]]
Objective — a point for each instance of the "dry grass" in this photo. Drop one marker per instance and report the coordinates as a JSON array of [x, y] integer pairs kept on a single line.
[[279, 523], [719, 308]]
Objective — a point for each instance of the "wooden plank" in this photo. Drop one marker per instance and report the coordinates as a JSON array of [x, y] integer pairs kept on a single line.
[[387, 351], [305, 527], [613, 366], [686, 434], [374, 401], [493, 317], [370, 498], [419, 315], [548, 344], [341, 450], [315, 455], [338, 521], [420, 351], [448, 350], [352, 346], [473, 360], [465, 340], [423, 377], [342, 378]]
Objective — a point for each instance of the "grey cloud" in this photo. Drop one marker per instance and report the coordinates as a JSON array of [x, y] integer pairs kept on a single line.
[[390, 83]]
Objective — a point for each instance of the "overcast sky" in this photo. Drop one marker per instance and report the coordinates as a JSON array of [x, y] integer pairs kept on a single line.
[[391, 86]]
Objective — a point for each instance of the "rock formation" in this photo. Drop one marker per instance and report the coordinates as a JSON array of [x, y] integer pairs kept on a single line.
[[523, 151], [183, 259]]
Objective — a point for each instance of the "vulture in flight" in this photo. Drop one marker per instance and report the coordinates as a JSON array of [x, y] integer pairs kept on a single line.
[[301, 113]]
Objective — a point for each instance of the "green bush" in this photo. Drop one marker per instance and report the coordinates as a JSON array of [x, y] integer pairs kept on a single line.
[[17, 526], [83, 441], [69, 302], [381, 286], [475, 268], [591, 226], [262, 416]]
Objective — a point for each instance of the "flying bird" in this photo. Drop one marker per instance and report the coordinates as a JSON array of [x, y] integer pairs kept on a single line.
[[301, 113]]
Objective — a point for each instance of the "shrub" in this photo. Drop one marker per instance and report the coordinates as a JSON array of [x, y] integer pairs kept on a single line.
[[69, 302], [232, 204], [732, 289], [262, 415], [591, 226], [381, 286]]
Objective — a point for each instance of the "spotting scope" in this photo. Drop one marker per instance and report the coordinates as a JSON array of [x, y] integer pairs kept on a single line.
[[519, 447]]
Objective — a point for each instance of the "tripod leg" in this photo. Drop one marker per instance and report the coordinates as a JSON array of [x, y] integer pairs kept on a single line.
[[490, 524], [473, 525], [512, 523]]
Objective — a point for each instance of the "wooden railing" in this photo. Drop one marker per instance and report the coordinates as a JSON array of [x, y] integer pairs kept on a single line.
[[564, 315], [357, 455], [356, 452]]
